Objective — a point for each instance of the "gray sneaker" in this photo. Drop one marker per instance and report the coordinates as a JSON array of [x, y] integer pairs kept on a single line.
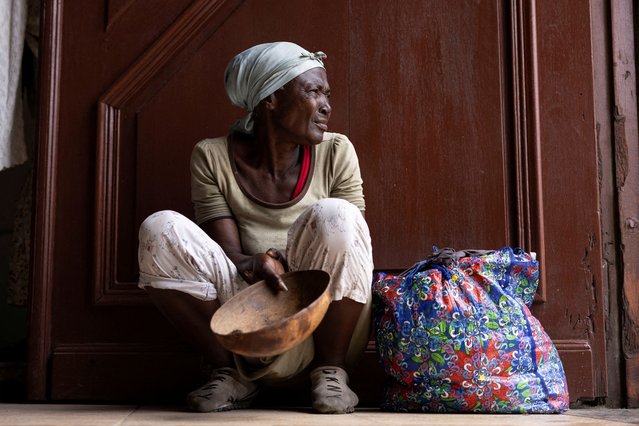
[[330, 392], [226, 390]]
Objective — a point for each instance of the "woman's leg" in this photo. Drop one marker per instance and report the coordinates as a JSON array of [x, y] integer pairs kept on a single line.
[[191, 317], [333, 336], [333, 236], [176, 254], [187, 276]]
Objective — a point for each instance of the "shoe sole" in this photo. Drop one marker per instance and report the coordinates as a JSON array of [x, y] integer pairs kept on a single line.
[[349, 410], [237, 405]]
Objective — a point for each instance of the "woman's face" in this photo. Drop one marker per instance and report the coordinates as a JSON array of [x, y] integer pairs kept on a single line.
[[302, 107]]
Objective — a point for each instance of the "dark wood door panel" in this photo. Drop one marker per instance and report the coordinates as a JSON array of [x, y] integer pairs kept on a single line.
[[575, 308], [121, 164], [473, 122], [430, 99]]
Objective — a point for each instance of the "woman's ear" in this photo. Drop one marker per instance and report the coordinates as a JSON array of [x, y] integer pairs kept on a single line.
[[269, 102], [264, 106]]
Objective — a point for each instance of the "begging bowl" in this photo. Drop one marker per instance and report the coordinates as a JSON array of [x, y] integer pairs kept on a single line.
[[258, 322]]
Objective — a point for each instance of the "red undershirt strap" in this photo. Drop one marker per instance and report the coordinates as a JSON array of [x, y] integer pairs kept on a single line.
[[306, 165]]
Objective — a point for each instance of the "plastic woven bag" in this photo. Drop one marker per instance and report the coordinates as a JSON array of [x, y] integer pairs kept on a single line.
[[454, 334]]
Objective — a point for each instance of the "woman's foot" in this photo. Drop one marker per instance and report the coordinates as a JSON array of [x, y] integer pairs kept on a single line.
[[330, 392], [226, 390]]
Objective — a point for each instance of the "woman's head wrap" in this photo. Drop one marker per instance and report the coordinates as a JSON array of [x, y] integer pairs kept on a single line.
[[260, 70]]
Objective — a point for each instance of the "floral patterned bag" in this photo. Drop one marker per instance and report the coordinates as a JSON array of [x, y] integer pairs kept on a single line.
[[454, 334]]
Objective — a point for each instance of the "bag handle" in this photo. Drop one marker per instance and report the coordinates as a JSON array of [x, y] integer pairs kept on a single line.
[[438, 259], [423, 266]]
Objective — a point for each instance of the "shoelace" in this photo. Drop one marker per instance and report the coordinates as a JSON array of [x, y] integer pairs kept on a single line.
[[329, 375], [220, 376]]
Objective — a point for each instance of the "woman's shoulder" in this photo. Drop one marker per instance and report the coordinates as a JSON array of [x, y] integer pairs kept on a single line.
[[210, 153], [335, 139], [211, 144], [336, 145]]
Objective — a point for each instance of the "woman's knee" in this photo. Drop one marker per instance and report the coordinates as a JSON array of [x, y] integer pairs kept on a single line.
[[158, 223], [338, 221], [335, 207]]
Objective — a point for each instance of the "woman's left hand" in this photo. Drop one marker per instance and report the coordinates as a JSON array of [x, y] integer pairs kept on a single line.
[[269, 266], [262, 266]]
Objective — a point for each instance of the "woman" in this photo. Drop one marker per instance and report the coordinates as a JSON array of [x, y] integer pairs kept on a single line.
[[278, 193]]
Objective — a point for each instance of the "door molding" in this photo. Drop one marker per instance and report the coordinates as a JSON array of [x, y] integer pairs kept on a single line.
[[527, 143], [626, 147], [39, 343], [117, 117]]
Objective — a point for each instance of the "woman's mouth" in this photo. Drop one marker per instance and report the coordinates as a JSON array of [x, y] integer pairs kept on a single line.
[[322, 125]]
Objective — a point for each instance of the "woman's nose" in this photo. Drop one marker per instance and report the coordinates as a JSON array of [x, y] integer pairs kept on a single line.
[[325, 108]]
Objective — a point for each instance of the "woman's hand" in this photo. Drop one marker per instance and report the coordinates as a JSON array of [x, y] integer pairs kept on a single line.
[[266, 266], [262, 266]]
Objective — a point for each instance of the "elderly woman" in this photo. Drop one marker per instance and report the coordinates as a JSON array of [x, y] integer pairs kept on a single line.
[[277, 193]]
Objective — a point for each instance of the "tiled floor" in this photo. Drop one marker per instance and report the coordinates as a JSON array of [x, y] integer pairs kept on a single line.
[[122, 415]]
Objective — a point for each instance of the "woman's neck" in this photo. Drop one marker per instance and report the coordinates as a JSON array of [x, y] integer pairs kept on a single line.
[[266, 153]]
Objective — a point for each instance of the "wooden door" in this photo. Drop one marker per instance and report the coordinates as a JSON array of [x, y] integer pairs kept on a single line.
[[473, 121]]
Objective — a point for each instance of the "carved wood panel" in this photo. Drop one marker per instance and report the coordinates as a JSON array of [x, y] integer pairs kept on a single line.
[[117, 157]]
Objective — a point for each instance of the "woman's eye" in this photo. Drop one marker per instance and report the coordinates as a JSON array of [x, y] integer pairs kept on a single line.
[[317, 92]]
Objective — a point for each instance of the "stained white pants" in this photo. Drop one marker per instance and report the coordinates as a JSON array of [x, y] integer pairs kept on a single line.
[[332, 235]]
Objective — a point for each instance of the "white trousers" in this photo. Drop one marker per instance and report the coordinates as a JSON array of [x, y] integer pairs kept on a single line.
[[332, 235]]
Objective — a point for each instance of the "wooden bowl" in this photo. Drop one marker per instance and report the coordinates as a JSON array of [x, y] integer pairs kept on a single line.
[[257, 322]]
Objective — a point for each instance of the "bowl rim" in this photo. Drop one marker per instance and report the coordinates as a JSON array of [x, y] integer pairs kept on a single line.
[[281, 321]]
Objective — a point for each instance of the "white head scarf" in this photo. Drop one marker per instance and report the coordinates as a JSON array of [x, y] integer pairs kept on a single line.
[[260, 70]]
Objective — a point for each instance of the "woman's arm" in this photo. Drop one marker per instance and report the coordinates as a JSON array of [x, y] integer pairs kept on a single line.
[[261, 266]]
